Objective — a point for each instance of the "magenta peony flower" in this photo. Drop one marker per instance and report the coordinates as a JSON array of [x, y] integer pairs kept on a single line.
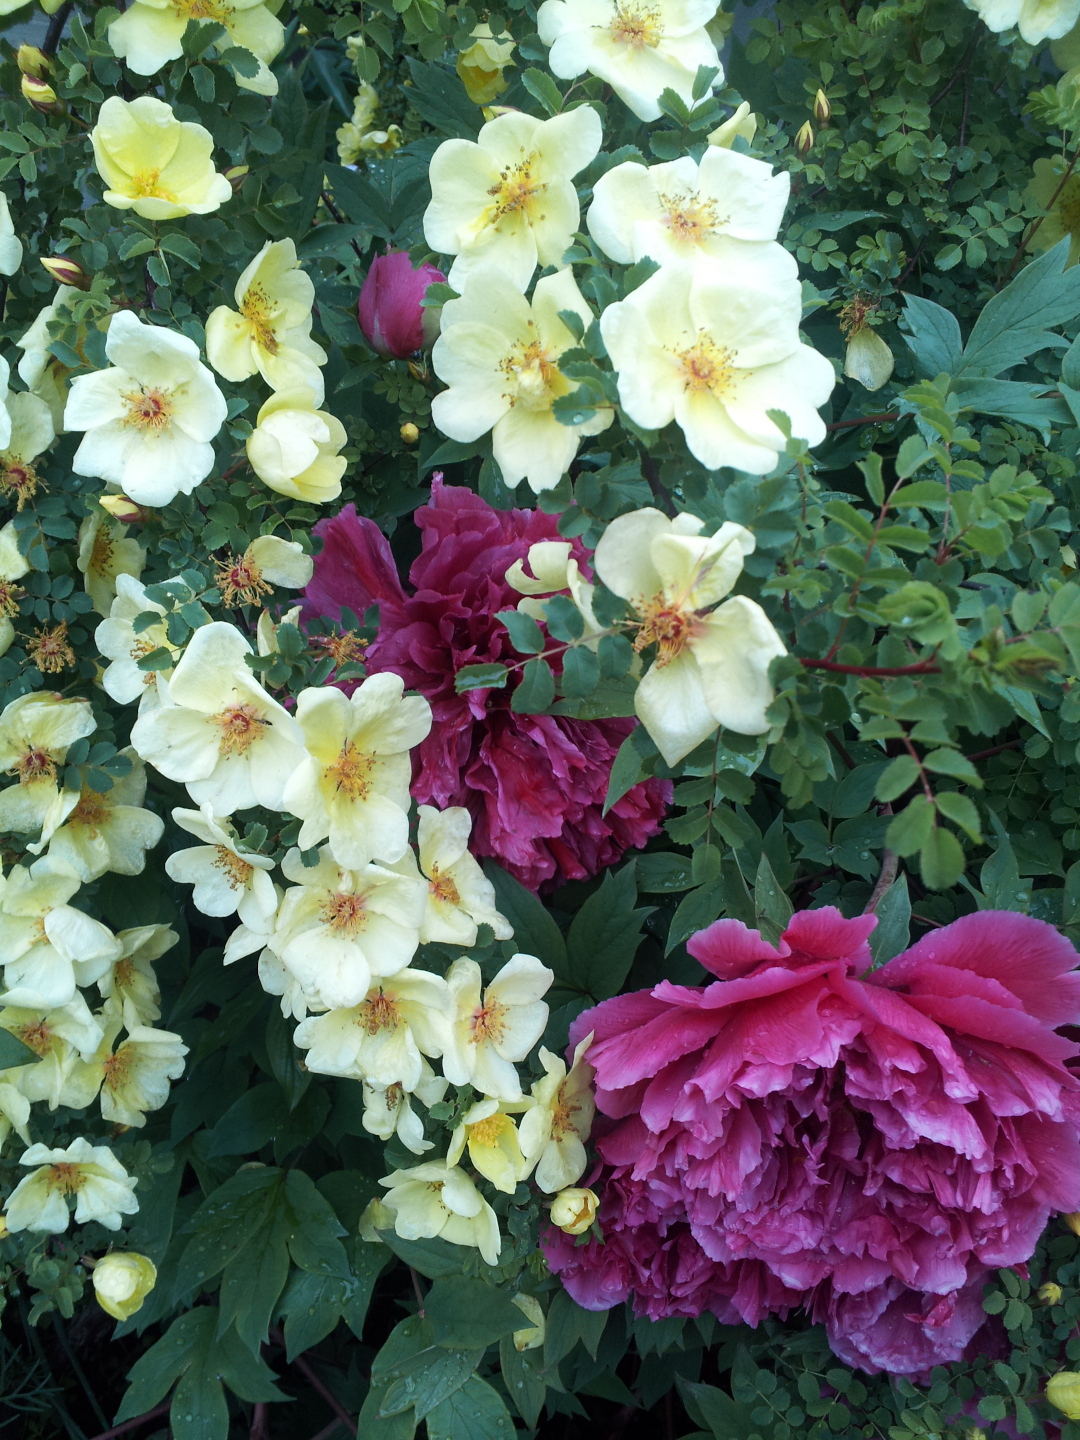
[[534, 784], [389, 310], [801, 1132]]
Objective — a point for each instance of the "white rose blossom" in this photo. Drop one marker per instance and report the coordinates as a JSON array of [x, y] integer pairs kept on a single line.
[[150, 418], [36, 732], [460, 897], [388, 1112], [640, 47], [130, 980], [102, 1188], [715, 350], [95, 831], [499, 354], [712, 665], [493, 1028], [124, 646], [48, 947], [507, 199], [228, 879], [219, 732], [436, 1199]]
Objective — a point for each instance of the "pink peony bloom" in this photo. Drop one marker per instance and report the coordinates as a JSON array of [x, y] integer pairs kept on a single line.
[[390, 312], [801, 1132], [534, 784]]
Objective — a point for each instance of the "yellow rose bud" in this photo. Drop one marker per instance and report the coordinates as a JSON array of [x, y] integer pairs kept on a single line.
[[574, 1209], [51, 6], [822, 108], [41, 95], [122, 1282], [65, 271], [1072, 1220], [804, 139], [532, 1336], [236, 175], [868, 359], [1050, 1294], [1063, 1392], [409, 433], [32, 61], [123, 509]]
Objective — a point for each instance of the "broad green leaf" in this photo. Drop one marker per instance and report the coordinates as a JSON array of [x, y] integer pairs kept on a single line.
[[897, 778], [1017, 321], [893, 931], [626, 771], [475, 1412], [950, 762], [314, 1229], [663, 873], [941, 859], [961, 811], [250, 1123], [567, 1323], [225, 1222], [726, 1419], [772, 907], [428, 1378], [855, 793], [13, 1052], [695, 912], [604, 936], [469, 1313], [525, 634], [580, 672], [935, 337], [536, 690], [535, 932], [480, 677], [523, 1376], [910, 829]]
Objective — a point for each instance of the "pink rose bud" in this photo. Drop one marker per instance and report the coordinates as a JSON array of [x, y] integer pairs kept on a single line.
[[390, 312]]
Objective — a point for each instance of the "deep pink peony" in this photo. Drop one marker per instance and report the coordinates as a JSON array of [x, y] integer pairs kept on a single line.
[[535, 784], [804, 1133], [389, 309]]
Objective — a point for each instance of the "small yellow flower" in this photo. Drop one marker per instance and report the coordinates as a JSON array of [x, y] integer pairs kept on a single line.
[[574, 1210], [294, 448], [154, 164], [1063, 1392], [1050, 1294], [532, 1336], [481, 66], [1060, 202], [104, 553], [150, 34], [491, 1138], [122, 1283]]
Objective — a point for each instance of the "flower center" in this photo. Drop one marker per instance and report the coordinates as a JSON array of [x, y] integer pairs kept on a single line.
[[240, 581], [517, 189], [240, 727], [690, 220], [37, 1037], [534, 376], [562, 1115], [665, 625], [123, 974], [258, 311], [637, 25], [148, 183], [203, 10], [102, 553], [490, 1131], [345, 913], [442, 888], [351, 772], [9, 602], [34, 765], [378, 1012], [117, 1068], [18, 479], [92, 811], [707, 366], [237, 872], [65, 1177], [489, 1023], [345, 649], [50, 651], [148, 409]]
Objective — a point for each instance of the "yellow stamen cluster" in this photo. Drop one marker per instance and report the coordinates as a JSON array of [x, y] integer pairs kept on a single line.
[[257, 311], [854, 314], [240, 581], [9, 598], [442, 888], [350, 773], [562, 1115], [689, 219], [240, 727], [665, 625], [102, 552], [344, 648], [36, 1037], [34, 765], [489, 1023], [148, 182], [20, 480], [637, 25], [707, 366], [490, 1131], [117, 1068], [516, 191], [378, 1012], [50, 651], [148, 408], [92, 811], [65, 1177], [345, 913], [237, 871]]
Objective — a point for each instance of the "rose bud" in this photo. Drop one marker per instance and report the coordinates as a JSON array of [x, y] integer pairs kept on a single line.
[[122, 1282], [804, 138], [41, 95], [236, 175], [32, 61], [390, 312], [409, 433], [1063, 1392], [66, 271], [574, 1209], [822, 108], [122, 509]]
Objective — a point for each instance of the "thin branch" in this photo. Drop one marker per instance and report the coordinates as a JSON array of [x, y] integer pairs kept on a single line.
[[924, 667], [132, 1424], [996, 750], [336, 213], [56, 27], [417, 1292], [835, 743], [890, 864], [656, 485], [313, 1380]]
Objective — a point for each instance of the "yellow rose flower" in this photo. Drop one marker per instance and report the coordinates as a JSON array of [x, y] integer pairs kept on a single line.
[[154, 164], [1063, 1392], [1061, 202], [150, 34], [294, 448], [481, 66], [574, 1209]]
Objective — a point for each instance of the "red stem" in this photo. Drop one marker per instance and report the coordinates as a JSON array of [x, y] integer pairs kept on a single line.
[[132, 1424], [924, 667]]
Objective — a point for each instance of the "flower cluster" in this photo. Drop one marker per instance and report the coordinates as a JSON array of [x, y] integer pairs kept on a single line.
[[803, 1133], [534, 784]]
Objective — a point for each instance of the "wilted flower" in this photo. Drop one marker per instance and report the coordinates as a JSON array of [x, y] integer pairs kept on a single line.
[[499, 354], [270, 330], [102, 1188], [911, 1130], [574, 1210], [436, 1199], [711, 665], [352, 786], [30, 433], [150, 418], [640, 47], [715, 350], [531, 1337], [389, 310], [154, 164], [130, 981], [11, 250], [294, 448], [481, 65], [123, 1280], [123, 645], [683, 211], [493, 1030], [104, 553], [508, 198]]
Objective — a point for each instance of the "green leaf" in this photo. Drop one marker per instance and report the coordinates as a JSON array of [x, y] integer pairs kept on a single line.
[[480, 677], [312, 1306], [313, 1240], [1017, 321], [1000, 880], [542, 87], [935, 337], [604, 936], [567, 1323], [666, 872], [535, 932], [525, 634], [893, 931], [252, 1281], [726, 1419], [428, 1378], [470, 1313], [951, 762], [474, 1412], [431, 1258], [224, 1223], [248, 1124], [580, 673], [536, 690], [941, 859], [13, 1052], [772, 907], [961, 811], [855, 793], [910, 829], [897, 778], [523, 1376], [695, 911], [626, 771], [439, 97]]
